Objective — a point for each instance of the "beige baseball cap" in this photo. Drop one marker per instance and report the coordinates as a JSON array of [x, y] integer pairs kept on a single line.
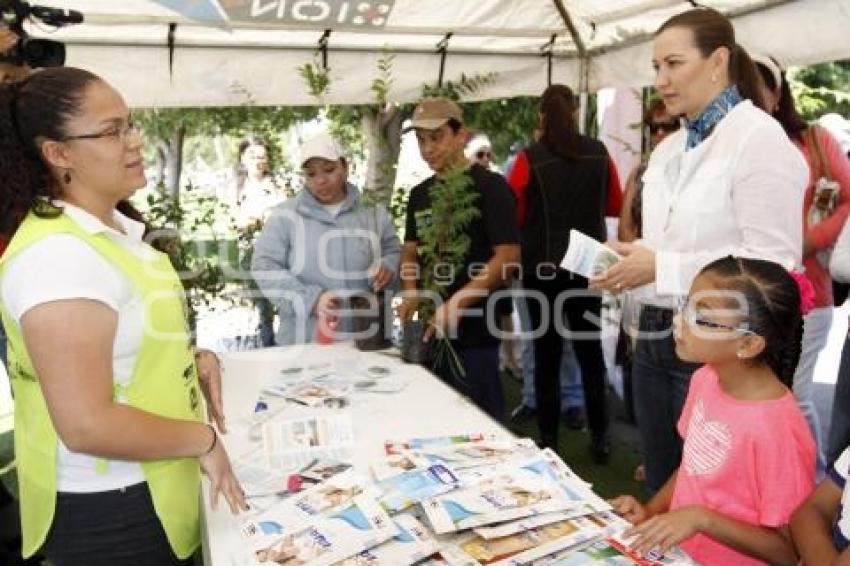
[[432, 113], [321, 145]]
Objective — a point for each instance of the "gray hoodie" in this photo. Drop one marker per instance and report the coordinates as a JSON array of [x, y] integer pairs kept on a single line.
[[304, 250]]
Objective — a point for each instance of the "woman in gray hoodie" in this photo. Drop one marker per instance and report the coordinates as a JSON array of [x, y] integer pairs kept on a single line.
[[323, 246]]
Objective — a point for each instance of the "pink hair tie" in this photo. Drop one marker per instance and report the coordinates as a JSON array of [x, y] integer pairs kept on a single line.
[[807, 291]]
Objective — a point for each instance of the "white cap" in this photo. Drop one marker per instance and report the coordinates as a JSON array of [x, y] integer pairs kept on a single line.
[[321, 145], [478, 142]]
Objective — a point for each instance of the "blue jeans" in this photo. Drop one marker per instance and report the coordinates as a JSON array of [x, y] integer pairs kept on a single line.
[[839, 428], [572, 394], [660, 385]]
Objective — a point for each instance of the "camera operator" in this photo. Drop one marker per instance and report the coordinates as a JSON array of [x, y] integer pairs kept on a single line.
[[9, 72]]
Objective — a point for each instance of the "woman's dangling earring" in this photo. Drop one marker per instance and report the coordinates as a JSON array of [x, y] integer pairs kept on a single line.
[[67, 177]]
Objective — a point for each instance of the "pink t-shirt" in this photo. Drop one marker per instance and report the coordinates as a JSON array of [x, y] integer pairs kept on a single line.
[[753, 461]]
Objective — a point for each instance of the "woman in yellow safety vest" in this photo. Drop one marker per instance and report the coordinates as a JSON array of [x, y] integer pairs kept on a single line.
[[109, 434]]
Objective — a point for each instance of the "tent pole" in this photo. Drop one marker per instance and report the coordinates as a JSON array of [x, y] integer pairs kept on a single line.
[[584, 63]]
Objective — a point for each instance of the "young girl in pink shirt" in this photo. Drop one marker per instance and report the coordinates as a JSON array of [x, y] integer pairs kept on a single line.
[[748, 457]]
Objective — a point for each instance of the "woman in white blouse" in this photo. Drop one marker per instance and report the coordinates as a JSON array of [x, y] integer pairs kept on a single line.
[[729, 183]]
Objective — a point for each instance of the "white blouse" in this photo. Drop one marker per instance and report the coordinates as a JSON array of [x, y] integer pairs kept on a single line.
[[739, 192]]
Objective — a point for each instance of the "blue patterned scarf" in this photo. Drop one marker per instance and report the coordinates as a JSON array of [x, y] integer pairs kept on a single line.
[[702, 127]]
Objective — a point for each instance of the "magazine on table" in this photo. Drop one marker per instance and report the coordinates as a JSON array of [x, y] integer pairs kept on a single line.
[[404, 490], [523, 547], [397, 446], [293, 443], [298, 511], [413, 543], [587, 257], [327, 540], [509, 492], [457, 456]]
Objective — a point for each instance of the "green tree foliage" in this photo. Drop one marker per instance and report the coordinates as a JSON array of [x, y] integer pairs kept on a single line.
[[821, 89]]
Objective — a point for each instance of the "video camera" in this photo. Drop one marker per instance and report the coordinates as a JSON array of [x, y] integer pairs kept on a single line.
[[29, 51]]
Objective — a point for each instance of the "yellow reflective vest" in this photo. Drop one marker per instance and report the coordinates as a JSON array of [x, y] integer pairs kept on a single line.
[[164, 382]]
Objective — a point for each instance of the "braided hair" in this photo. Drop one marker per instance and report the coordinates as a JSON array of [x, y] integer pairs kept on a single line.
[[773, 309]]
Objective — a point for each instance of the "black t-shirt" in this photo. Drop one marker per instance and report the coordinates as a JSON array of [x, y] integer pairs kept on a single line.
[[496, 225]]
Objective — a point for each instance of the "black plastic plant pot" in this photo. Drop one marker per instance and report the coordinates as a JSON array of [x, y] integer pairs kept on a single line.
[[413, 349], [370, 324]]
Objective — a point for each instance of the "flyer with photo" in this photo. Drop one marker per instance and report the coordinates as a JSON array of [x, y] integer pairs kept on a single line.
[[328, 540], [528, 523], [404, 490], [397, 446], [293, 443], [456, 456], [587, 257], [412, 544], [524, 547], [510, 493], [300, 510]]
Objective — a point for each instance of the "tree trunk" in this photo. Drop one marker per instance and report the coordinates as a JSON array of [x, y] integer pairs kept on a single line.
[[383, 143], [174, 163]]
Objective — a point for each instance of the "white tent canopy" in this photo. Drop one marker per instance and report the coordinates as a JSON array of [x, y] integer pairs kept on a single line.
[[233, 52]]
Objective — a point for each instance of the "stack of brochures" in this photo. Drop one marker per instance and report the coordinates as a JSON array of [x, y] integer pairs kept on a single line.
[[467, 499]]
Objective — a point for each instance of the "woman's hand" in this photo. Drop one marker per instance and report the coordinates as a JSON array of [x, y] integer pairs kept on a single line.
[[630, 509], [216, 466], [382, 277], [209, 374], [668, 529], [327, 307], [637, 268], [406, 308]]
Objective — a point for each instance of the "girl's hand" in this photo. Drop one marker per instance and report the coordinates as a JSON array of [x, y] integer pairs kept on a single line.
[[629, 509], [216, 466], [209, 374], [668, 529], [635, 269]]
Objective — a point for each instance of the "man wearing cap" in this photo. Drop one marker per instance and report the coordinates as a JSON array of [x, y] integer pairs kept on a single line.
[[317, 249], [494, 244]]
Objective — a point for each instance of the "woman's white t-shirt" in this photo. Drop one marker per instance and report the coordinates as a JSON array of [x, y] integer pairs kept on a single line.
[[60, 267]]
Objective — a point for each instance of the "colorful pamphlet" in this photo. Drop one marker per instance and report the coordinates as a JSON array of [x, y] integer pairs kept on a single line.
[[456, 456], [409, 488], [397, 446], [511, 492], [299, 511], [524, 547], [327, 540], [413, 543]]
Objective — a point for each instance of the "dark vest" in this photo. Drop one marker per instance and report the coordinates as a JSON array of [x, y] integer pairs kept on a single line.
[[562, 195]]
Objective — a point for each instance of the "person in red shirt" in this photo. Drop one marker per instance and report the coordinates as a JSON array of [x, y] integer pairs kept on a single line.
[[824, 215], [564, 181]]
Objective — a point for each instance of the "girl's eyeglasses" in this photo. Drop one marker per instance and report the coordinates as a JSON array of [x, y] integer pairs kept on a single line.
[[694, 318]]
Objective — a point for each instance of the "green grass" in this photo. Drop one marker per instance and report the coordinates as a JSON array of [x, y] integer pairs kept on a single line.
[[613, 479]]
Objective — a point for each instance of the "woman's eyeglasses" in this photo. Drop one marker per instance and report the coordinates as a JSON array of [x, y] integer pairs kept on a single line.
[[668, 127], [695, 318], [481, 154], [118, 132]]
